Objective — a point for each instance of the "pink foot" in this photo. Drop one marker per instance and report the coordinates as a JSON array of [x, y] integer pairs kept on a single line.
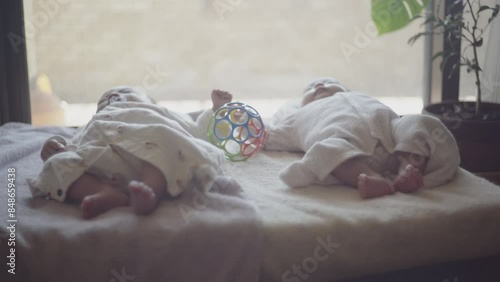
[[101, 202], [219, 98], [142, 197], [372, 186], [408, 180]]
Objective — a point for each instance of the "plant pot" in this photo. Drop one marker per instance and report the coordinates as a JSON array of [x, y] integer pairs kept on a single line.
[[478, 140]]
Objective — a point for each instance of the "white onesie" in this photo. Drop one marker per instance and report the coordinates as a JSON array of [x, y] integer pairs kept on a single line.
[[116, 141], [350, 124]]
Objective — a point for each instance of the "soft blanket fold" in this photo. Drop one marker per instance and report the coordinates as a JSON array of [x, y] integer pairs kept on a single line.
[[198, 236], [328, 233]]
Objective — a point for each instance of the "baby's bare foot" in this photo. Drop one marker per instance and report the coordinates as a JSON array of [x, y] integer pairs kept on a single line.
[[373, 186], [94, 205], [408, 180], [219, 98], [142, 197]]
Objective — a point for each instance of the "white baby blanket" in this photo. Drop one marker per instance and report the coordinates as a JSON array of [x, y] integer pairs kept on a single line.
[[214, 236], [328, 233]]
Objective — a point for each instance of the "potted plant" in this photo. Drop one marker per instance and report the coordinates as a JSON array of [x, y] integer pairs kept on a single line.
[[475, 125]]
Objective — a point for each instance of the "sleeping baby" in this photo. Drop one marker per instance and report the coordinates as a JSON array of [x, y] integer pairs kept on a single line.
[[355, 139], [132, 152]]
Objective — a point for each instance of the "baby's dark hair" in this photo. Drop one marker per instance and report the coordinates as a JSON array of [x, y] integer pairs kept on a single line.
[[130, 89]]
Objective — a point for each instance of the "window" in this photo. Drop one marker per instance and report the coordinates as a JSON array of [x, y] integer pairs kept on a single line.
[[488, 61], [264, 52]]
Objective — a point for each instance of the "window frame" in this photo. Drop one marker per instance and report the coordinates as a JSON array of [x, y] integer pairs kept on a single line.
[[14, 78], [14, 84]]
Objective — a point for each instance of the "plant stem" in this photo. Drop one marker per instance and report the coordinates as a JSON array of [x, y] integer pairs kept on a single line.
[[478, 83], [476, 59]]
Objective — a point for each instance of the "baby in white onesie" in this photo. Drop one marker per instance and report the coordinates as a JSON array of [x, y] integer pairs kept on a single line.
[[99, 187], [361, 142]]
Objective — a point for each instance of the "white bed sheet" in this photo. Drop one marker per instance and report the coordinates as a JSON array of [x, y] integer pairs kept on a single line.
[[325, 233], [194, 237], [318, 233]]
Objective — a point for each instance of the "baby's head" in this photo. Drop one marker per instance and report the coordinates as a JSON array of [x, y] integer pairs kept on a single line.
[[122, 94], [321, 88]]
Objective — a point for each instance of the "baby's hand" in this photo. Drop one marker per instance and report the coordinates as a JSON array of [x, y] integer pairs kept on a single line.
[[219, 98], [51, 148]]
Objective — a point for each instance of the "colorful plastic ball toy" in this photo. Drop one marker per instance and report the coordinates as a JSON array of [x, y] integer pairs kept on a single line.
[[237, 129]]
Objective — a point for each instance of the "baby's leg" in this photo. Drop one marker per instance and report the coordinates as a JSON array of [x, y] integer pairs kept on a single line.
[[219, 98], [417, 161], [95, 197], [355, 172], [145, 195], [409, 178]]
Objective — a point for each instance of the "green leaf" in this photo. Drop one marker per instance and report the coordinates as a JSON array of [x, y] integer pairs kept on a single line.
[[391, 15], [437, 55], [415, 37], [494, 13], [483, 8]]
